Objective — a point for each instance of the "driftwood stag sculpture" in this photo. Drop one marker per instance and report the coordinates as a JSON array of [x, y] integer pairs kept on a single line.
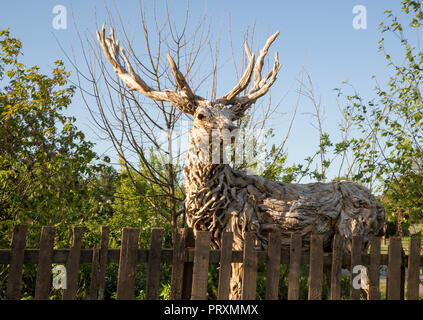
[[220, 198]]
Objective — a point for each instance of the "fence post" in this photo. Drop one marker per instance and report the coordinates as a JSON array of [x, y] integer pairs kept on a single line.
[[93, 294], [273, 265], [127, 264], [104, 243], [201, 265], [413, 280], [14, 277], [177, 278], [154, 255], [72, 265], [249, 268], [189, 242], [45, 259], [394, 269], [374, 272], [225, 266], [316, 267], [355, 261], [294, 266], [403, 264], [336, 271]]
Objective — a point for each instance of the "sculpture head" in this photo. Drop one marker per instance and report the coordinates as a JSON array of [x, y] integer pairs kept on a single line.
[[218, 114], [213, 117]]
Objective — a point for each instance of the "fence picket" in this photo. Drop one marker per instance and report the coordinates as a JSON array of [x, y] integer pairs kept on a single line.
[[294, 267], [355, 261], [249, 263], [201, 265], [189, 242], [93, 295], [336, 271], [72, 265], [176, 280], [394, 269], [153, 275], [413, 269], [45, 259], [374, 269], [316, 267], [104, 243], [14, 279], [225, 266], [127, 264], [273, 266]]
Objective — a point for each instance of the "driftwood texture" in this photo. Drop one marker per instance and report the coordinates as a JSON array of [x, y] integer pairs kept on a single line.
[[220, 198]]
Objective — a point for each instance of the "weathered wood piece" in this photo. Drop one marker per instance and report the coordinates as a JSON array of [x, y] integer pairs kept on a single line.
[[72, 265], [336, 270], [249, 276], [294, 267], [127, 264], [189, 242], [104, 243], [402, 277], [153, 275], [14, 278], [45, 258], [94, 278], [273, 266], [225, 266], [176, 281], [316, 267], [355, 268], [201, 265], [374, 269], [394, 269], [413, 277]]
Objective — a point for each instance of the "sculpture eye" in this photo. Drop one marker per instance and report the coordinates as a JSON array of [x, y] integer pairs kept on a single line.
[[201, 116]]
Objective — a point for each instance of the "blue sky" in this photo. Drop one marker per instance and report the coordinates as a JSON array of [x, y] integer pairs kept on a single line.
[[316, 34]]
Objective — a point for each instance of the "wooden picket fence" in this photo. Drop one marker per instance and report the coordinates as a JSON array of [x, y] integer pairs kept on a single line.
[[191, 256]]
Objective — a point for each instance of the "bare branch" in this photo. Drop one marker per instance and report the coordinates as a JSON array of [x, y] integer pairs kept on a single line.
[[185, 101]]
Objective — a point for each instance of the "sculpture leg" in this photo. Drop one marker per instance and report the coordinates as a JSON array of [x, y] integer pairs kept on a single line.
[[236, 282]]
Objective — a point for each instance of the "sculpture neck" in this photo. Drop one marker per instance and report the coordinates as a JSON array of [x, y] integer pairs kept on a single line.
[[205, 148]]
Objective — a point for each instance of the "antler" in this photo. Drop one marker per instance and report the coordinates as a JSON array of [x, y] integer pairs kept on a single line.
[[260, 85], [185, 101]]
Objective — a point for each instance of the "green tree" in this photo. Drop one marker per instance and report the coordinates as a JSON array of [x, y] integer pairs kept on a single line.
[[45, 161], [132, 206], [388, 151]]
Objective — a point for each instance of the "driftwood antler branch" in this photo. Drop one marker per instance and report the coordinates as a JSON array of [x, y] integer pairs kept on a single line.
[[260, 85], [185, 100]]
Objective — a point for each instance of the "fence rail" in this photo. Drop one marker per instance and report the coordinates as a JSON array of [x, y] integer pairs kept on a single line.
[[191, 256]]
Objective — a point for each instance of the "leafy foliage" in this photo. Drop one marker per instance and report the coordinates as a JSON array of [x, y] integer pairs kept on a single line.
[[46, 164], [389, 146]]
